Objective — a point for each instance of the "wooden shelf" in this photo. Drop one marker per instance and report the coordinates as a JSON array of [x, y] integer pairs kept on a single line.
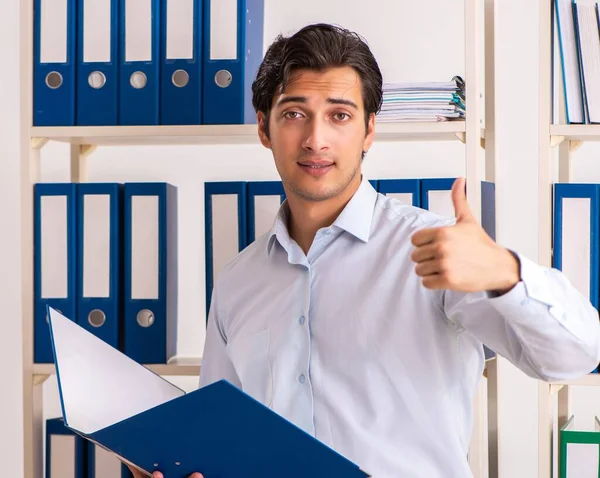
[[591, 380], [226, 134], [176, 367], [576, 132]]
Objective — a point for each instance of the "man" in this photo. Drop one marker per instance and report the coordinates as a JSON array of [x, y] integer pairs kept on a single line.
[[359, 318]]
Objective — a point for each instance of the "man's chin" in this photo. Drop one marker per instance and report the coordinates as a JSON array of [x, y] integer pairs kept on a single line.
[[317, 190], [316, 194]]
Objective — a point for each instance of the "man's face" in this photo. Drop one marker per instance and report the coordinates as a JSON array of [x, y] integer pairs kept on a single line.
[[317, 133]]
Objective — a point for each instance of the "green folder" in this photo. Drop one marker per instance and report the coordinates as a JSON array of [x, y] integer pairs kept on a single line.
[[581, 456]]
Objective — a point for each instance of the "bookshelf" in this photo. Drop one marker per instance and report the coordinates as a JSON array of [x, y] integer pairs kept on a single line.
[[227, 134], [591, 380], [83, 142], [179, 366], [574, 132], [555, 140]]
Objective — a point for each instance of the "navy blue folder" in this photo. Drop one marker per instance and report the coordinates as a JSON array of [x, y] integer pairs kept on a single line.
[[217, 430], [222, 432]]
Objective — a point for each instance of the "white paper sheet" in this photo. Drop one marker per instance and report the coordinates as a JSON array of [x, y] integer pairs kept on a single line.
[[99, 385]]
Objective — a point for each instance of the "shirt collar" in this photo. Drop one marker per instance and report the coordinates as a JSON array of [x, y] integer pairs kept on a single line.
[[279, 229], [355, 218]]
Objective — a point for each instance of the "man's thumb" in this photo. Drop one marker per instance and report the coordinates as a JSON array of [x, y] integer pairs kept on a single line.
[[462, 210]]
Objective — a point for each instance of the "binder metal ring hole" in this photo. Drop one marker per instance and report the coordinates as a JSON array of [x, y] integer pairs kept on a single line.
[[223, 78], [145, 318], [138, 80], [97, 80], [54, 80], [180, 78], [96, 318], [177, 463]]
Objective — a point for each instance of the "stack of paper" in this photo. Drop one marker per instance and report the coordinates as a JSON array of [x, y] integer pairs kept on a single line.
[[433, 101]]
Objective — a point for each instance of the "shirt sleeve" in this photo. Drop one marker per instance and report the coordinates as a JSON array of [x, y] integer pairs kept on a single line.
[[216, 364], [543, 325]]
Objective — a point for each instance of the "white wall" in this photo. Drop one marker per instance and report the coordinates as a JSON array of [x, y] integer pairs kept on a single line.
[[11, 435], [413, 41]]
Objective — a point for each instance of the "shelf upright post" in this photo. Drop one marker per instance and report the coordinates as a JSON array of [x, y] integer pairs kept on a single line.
[[545, 45], [29, 157]]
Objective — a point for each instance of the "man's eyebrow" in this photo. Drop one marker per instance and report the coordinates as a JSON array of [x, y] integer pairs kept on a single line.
[[292, 99], [341, 101], [304, 100]]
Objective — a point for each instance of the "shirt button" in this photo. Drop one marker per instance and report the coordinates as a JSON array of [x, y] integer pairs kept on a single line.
[[301, 378], [302, 320]]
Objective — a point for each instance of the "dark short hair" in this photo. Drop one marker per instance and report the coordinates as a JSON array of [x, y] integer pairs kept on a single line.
[[316, 47]]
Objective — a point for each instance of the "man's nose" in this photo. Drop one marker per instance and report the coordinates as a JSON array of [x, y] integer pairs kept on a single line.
[[315, 139]]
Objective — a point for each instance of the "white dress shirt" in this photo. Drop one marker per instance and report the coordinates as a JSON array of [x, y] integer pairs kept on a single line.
[[346, 343]]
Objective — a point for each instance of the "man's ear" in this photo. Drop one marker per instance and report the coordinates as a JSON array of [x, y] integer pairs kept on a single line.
[[370, 136], [262, 129]]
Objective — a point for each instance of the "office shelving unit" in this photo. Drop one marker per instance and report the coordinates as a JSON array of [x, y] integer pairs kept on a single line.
[[84, 140], [562, 140]]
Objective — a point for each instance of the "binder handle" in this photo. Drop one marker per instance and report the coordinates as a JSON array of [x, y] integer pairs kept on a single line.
[[97, 318], [145, 318], [223, 78], [97, 80], [54, 80]]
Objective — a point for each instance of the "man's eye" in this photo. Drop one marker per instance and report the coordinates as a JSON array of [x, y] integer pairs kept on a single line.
[[292, 115], [341, 116]]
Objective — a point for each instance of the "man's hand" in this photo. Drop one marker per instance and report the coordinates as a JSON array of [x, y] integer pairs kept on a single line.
[[463, 257], [156, 474]]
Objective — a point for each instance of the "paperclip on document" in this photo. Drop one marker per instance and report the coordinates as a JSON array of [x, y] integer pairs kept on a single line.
[[217, 430]]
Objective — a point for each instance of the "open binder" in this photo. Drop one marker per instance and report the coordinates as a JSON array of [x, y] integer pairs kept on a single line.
[[217, 430]]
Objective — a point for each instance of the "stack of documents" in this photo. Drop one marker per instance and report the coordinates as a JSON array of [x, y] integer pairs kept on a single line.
[[412, 102]]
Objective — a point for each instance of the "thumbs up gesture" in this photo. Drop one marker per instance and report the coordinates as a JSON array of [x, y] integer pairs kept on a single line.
[[463, 257]]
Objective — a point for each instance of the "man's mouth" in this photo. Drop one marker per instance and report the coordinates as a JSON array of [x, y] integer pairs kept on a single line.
[[316, 168]]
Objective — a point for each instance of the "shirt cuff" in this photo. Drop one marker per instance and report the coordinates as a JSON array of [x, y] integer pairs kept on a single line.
[[491, 294], [532, 286], [535, 279]]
